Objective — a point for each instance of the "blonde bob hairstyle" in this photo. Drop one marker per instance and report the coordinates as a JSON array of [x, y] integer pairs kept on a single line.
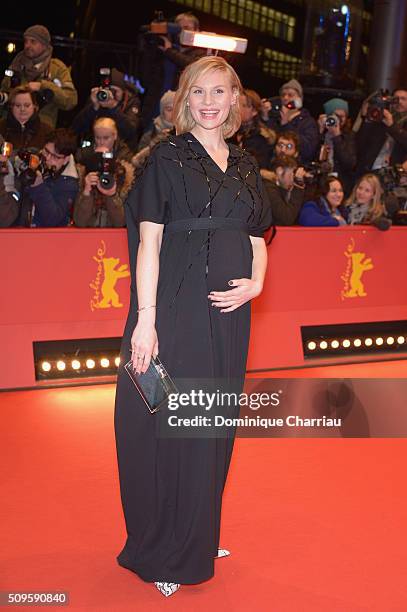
[[183, 119], [376, 208]]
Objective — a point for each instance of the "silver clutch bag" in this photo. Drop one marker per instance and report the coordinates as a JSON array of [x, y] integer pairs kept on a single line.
[[154, 386]]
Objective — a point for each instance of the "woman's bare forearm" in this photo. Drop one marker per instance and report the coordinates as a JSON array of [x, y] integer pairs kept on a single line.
[[259, 264]]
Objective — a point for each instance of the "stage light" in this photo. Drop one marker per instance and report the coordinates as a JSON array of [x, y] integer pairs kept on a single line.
[[323, 345], [400, 340], [390, 340], [334, 344], [117, 362], [104, 362], [312, 346], [76, 364], [210, 40], [11, 47], [346, 343], [344, 9], [61, 365], [368, 342], [90, 364], [45, 366], [357, 342], [379, 341]]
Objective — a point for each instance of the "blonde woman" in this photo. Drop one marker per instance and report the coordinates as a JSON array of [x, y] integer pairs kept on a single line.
[[195, 219], [365, 203]]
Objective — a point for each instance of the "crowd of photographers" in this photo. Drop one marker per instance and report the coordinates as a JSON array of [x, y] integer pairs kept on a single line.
[[320, 171]]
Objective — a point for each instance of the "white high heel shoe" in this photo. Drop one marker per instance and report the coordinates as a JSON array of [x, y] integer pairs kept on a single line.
[[167, 588], [222, 552]]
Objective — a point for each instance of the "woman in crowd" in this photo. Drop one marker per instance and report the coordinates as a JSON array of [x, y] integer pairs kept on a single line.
[[253, 135], [22, 125], [105, 180], [105, 134], [327, 209], [162, 126], [195, 218], [366, 203]]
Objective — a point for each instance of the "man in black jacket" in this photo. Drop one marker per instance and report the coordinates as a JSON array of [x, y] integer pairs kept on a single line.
[[383, 143], [123, 106]]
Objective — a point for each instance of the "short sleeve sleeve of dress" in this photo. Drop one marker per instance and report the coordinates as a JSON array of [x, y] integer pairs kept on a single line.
[[262, 219], [149, 198]]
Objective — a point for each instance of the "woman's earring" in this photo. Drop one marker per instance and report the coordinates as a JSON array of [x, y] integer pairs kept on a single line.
[[187, 103]]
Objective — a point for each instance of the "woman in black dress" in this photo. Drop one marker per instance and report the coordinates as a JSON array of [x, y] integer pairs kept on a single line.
[[195, 219]]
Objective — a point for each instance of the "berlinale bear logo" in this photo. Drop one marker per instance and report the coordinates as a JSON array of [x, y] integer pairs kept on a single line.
[[356, 266], [105, 294]]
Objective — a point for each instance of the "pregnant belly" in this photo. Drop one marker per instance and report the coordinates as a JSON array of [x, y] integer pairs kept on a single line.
[[230, 257]]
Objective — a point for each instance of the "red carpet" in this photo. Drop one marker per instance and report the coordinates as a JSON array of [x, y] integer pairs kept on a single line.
[[313, 524]]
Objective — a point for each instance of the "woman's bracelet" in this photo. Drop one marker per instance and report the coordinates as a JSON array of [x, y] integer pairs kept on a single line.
[[145, 307]]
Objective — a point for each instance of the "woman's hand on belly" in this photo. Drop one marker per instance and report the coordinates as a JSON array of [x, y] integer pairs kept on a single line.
[[244, 290]]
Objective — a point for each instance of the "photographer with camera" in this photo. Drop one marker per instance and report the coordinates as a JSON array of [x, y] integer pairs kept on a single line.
[[50, 190], [117, 99], [45, 75], [105, 181], [338, 141], [291, 116], [162, 59], [9, 196], [326, 208], [285, 187], [253, 135], [23, 126], [382, 136]]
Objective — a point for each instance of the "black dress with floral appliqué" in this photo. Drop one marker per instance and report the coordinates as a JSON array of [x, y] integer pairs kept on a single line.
[[171, 489]]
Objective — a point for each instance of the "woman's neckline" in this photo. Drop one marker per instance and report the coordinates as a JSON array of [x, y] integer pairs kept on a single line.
[[190, 134]]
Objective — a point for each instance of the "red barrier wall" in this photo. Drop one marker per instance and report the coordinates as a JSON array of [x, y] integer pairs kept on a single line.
[[74, 283]]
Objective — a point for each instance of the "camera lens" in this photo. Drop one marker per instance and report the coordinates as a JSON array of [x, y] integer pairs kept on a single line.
[[102, 95]]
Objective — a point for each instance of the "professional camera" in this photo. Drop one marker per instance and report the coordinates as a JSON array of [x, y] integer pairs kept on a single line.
[[277, 105], [107, 170], [6, 150], [28, 163], [378, 103], [332, 121], [317, 170], [160, 27], [104, 93], [102, 163], [392, 177]]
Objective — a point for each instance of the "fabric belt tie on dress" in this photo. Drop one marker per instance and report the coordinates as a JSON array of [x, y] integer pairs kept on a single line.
[[206, 223]]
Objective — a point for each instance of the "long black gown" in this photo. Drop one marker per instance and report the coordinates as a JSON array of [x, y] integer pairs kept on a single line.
[[171, 489]]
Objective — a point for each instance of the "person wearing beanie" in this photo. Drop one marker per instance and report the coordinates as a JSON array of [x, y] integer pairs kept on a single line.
[[122, 105], [338, 143], [45, 75], [294, 118]]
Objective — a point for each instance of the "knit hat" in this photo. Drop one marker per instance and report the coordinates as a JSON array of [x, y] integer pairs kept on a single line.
[[40, 33], [166, 100], [293, 84], [336, 104]]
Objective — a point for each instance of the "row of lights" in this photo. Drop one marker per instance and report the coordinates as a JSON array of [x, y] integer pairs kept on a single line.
[[347, 343], [75, 364]]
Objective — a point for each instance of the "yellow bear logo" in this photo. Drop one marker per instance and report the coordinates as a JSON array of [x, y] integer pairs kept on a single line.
[[357, 265], [105, 294]]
